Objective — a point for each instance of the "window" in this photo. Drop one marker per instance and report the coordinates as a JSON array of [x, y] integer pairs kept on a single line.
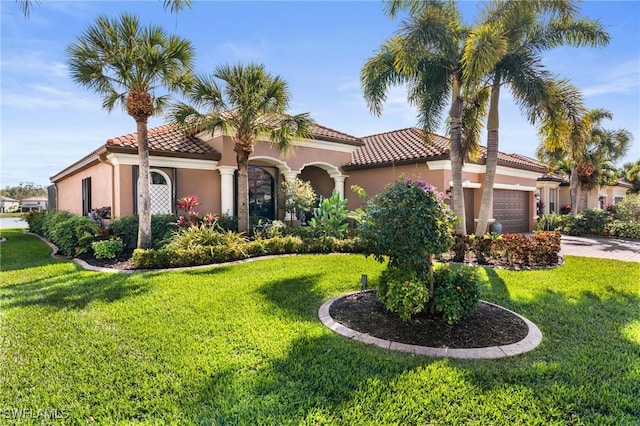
[[602, 202], [86, 196], [552, 200]]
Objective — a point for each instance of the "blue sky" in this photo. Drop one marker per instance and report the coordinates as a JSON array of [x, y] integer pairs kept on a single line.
[[47, 122]]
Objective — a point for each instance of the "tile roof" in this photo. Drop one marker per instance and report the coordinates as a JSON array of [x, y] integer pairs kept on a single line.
[[167, 138], [398, 146], [515, 160], [408, 145], [322, 132]]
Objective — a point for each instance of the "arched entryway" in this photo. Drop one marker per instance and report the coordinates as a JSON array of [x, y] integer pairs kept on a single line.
[[262, 197], [320, 180]]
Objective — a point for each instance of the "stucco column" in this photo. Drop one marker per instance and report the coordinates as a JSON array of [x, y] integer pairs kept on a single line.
[[339, 184], [290, 176], [226, 189]]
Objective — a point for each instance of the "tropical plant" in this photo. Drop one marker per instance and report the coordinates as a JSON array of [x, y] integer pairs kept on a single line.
[[506, 48], [631, 172], [251, 103], [127, 64], [296, 196], [426, 54], [591, 158], [330, 216]]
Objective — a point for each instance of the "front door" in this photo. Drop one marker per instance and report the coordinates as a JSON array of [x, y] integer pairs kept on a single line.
[[261, 193]]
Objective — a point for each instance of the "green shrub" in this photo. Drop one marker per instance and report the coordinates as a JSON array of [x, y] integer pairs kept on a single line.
[[551, 222], [255, 248], [330, 216], [408, 222], [126, 228], [107, 249], [283, 245], [624, 229], [72, 234], [587, 222], [629, 208], [403, 292], [457, 293], [36, 221]]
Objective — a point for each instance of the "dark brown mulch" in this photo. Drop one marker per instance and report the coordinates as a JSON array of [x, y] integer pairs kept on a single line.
[[488, 326], [122, 262]]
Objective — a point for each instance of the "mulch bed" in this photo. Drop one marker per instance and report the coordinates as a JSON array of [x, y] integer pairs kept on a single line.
[[122, 262], [488, 326]]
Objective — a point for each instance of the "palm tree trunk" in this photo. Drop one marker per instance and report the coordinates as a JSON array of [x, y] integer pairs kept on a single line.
[[144, 197], [456, 158], [243, 192], [492, 158], [575, 183]]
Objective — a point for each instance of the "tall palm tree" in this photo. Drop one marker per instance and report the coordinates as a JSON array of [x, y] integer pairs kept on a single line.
[[174, 6], [425, 55], [250, 103], [631, 172], [506, 49], [127, 64], [591, 157]]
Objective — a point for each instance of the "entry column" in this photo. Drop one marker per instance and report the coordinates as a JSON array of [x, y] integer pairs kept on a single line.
[[226, 189]]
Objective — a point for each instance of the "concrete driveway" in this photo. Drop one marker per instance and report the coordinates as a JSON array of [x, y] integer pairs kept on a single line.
[[606, 248]]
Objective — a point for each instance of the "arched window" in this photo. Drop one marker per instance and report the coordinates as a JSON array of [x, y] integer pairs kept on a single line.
[[160, 192]]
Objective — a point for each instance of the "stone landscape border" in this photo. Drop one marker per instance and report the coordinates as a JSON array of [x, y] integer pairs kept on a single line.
[[529, 343]]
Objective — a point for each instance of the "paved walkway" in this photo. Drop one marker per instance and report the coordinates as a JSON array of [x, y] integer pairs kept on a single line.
[[606, 248]]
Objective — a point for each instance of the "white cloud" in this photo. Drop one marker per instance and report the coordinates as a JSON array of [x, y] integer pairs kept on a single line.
[[246, 51], [38, 96], [33, 62], [621, 79]]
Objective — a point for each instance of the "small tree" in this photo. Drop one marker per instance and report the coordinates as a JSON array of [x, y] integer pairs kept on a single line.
[[408, 223], [296, 196]]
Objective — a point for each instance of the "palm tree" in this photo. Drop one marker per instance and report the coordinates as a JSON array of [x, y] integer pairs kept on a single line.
[[631, 172], [250, 103], [577, 143], [506, 49], [173, 6], [126, 64], [425, 55]]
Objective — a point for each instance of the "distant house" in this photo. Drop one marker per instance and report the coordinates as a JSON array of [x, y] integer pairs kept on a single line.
[[554, 191], [33, 204], [9, 205], [204, 164]]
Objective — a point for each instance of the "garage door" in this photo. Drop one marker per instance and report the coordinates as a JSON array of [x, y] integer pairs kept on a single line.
[[511, 209]]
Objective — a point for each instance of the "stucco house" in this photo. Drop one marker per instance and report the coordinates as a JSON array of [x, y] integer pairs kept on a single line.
[[9, 205], [33, 204], [204, 165], [554, 191]]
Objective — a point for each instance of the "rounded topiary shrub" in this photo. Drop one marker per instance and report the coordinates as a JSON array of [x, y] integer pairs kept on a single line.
[[408, 224], [403, 292], [457, 293]]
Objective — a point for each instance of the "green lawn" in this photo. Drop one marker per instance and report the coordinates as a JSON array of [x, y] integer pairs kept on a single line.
[[242, 345]]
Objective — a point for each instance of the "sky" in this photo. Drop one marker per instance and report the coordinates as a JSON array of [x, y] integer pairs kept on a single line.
[[318, 47]]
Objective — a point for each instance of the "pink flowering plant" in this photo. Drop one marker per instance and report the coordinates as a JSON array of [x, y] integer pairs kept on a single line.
[[408, 224]]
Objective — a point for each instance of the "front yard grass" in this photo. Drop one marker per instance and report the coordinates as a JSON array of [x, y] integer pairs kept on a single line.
[[242, 345]]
